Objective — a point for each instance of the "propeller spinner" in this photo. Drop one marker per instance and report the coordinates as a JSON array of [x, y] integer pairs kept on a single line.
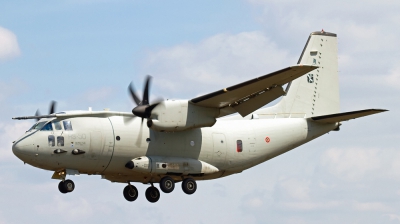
[[143, 108]]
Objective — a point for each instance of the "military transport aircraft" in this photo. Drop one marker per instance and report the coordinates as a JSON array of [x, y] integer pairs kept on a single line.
[[189, 140]]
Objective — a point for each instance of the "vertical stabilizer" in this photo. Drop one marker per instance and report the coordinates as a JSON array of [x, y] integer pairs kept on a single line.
[[316, 93]]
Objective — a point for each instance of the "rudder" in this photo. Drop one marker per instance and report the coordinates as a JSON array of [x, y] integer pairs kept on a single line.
[[316, 93]]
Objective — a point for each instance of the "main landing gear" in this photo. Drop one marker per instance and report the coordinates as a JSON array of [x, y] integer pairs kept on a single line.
[[167, 185], [66, 186]]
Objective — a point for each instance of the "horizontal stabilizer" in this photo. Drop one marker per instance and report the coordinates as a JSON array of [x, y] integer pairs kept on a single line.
[[333, 118]]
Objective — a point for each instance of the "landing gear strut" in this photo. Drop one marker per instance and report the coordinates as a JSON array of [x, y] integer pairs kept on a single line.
[[152, 194], [66, 186], [130, 193]]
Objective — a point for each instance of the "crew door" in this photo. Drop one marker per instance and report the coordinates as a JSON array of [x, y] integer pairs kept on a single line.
[[101, 143]]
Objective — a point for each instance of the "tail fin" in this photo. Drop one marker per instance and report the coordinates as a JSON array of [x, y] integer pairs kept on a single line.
[[316, 93]]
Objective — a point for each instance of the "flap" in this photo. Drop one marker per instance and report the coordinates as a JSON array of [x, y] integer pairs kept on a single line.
[[230, 95], [258, 100], [333, 118]]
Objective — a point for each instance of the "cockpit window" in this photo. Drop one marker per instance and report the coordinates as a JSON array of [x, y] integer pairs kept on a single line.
[[67, 125], [47, 127], [57, 125], [37, 126]]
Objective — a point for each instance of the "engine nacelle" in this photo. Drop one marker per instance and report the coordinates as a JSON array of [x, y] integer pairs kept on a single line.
[[180, 115], [170, 165]]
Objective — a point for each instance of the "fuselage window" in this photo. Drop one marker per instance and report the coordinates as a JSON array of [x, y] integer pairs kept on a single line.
[[60, 140], [239, 146], [67, 125], [52, 141], [57, 125], [47, 127]]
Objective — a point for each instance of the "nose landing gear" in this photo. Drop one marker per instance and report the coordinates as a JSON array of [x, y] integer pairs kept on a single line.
[[66, 186]]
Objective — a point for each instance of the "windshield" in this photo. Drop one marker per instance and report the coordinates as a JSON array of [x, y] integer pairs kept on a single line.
[[37, 126]]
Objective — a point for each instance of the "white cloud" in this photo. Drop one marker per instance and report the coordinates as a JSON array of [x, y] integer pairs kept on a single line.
[[8, 44], [71, 210], [98, 94], [393, 217], [351, 164], [216, 62], [311, 205], [11, 88], [393, 78], [10, 132], [296, 189], [254, 202], [372, 207]]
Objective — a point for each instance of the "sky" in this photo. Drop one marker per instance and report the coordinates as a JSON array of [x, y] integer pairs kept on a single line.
[[85, 53]]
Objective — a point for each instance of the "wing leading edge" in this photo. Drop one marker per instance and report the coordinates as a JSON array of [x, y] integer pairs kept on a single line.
[[249, 96]]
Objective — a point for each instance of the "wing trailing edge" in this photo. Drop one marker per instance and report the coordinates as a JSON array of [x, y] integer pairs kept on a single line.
[[333, 118], [249, 96]]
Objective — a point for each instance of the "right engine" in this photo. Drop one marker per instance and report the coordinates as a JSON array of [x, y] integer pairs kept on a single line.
[[180, 115]]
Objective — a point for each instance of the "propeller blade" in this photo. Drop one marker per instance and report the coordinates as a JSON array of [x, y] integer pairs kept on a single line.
[[37, 114], [140, 136], [135, 98], [145, 100], [52, 107], [150, 108]]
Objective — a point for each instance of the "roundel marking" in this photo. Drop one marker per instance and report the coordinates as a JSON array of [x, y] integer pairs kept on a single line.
[[267, 139]]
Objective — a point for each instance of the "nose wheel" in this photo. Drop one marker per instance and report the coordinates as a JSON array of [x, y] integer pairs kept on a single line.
[[66, 186]]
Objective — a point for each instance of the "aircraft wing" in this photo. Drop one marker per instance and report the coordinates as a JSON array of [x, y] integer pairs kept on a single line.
[[248, 96], [333, 118]]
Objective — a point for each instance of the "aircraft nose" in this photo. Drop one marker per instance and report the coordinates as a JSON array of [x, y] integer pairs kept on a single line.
[[21, 149]]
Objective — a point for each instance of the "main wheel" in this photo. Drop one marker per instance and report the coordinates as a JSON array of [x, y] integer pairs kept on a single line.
[[152, 194], [61, 187], [167, 184], [189, 186], [69, 185], [130, 193]]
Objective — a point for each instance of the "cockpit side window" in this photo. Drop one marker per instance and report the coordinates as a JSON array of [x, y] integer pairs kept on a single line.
[[60, 140], [51, 140], [37, 126], [47, 127], [67, 125], [57, 125]]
